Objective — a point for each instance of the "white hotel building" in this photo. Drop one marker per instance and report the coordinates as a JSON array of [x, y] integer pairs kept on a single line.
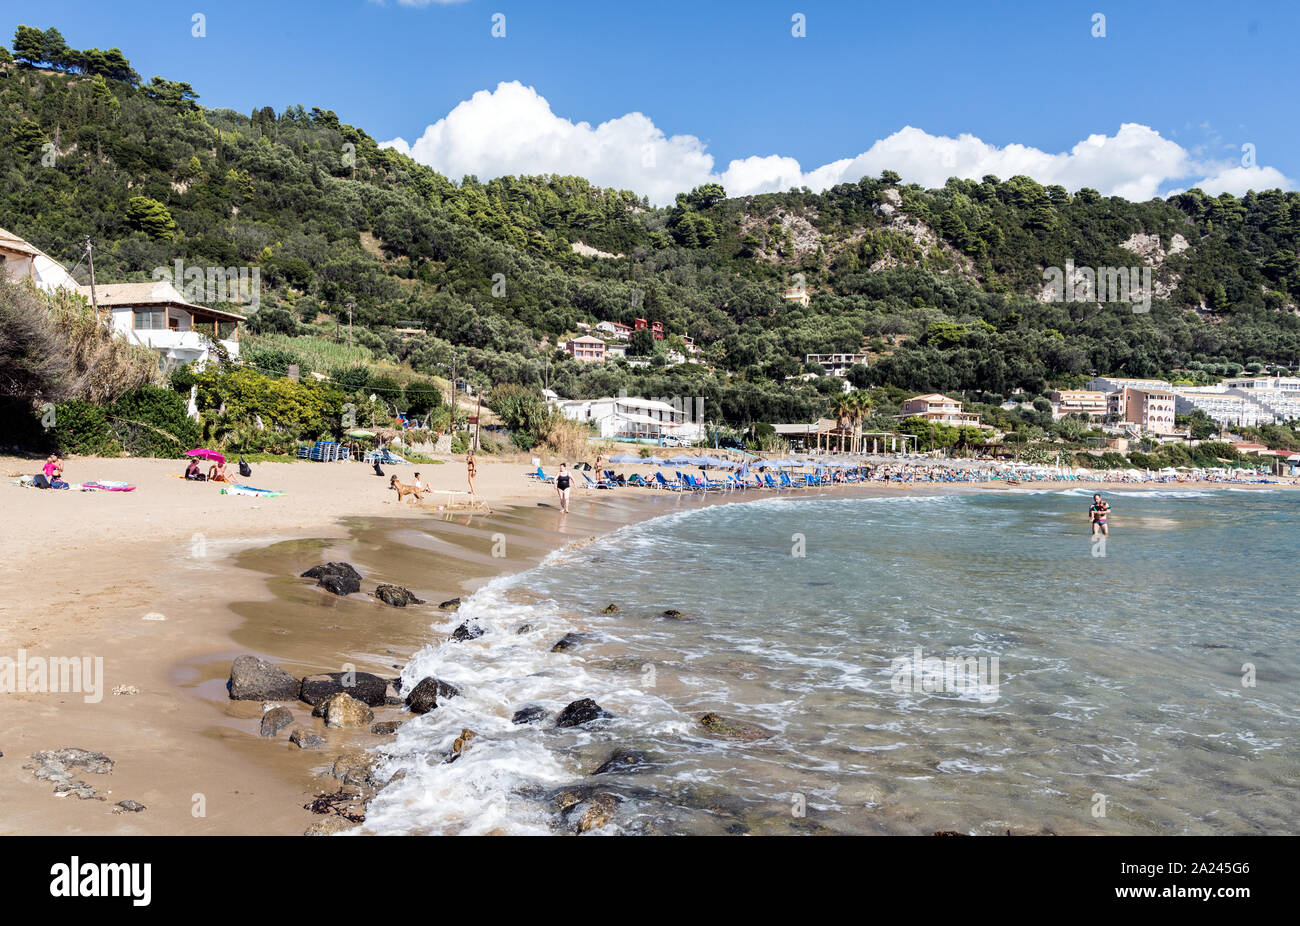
[[631, 418]]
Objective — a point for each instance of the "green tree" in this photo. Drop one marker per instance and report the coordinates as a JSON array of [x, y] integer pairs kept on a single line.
[[151, 217]]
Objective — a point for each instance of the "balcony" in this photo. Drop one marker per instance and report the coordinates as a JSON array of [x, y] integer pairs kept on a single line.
[[183, 346]]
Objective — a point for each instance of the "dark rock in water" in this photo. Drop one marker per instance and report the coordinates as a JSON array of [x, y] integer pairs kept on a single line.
[[450, 605], [339, 578], [340, 585], [275, 720], [624, 760], [467, 631], [736, 829], [395, 595], [524, 628], [343, 710], [947, 833], [355, 767], [367, 688], [593, 813], [674, 615], [567, 798], [733, 729], [424, 696], [567, 642], [386, 727], [251, 679], [393, 692], [131, 806], [305, 739], [331, 569], [611, 608], [532, 713], [579, 712]]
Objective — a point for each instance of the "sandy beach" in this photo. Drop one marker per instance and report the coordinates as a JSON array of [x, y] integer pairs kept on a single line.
[[169, 583]]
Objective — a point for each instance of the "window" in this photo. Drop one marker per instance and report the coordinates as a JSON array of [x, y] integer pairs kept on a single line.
[[150, 319]]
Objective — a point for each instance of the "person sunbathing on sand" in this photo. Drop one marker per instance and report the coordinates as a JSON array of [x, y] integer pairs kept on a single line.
[[193, 473], [217, 472]]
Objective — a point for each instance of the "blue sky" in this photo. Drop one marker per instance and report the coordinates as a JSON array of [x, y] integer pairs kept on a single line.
[[731, 83]]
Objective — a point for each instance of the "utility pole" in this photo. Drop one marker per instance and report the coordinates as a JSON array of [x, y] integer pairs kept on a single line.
[[351, 306], [90, 258]]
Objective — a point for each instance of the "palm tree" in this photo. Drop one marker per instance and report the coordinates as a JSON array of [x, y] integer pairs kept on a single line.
[[860, 406], [843, 409]]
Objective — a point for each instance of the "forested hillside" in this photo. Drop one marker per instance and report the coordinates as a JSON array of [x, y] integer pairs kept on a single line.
[[939, 285]]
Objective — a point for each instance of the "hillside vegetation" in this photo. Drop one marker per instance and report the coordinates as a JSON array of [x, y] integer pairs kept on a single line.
[[939, 285]]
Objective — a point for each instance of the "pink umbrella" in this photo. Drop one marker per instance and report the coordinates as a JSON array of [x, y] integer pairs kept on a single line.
[[203, 454]]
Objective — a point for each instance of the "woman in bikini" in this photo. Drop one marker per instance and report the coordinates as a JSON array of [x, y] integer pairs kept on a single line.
[[471, 469], [1097, 514]]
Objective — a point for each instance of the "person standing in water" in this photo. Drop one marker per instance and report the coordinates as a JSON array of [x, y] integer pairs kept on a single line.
[[562, 482], [1097, 514]]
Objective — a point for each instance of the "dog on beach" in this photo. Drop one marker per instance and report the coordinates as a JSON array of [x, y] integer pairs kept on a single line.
[[404, 490]]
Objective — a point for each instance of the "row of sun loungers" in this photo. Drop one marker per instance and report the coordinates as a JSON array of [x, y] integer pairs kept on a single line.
[[686, 482]]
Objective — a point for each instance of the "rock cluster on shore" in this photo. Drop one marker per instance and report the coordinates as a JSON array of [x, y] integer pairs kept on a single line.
[[345, 701]]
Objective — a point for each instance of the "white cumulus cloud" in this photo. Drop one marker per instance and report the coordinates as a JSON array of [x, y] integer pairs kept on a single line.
[[512, 130]]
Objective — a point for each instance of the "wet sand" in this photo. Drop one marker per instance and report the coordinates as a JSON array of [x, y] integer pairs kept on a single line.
[[85, 572]]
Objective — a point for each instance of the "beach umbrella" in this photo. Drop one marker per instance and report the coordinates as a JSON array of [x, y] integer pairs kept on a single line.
[[627, 458], [204, 454], [359, 432], [680, 460]]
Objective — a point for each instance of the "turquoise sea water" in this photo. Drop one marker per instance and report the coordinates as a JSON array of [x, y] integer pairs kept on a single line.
[[1152, 689]]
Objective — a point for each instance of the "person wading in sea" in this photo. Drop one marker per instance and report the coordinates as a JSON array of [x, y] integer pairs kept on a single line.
[[1097, 514], [562, 482]]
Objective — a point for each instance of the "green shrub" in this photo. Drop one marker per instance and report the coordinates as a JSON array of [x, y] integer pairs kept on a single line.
[[83, 428], [151, 422]]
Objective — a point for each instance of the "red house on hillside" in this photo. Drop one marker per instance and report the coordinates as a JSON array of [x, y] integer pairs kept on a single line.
[[656, 328]]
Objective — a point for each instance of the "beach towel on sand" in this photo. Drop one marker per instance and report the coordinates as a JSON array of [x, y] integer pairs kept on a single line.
[[249, 490]]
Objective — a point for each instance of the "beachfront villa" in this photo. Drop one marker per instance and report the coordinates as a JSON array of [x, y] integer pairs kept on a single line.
[[156, 315], [939, 409], [1246, 401], [630, 418], [1151, 409], [1077, 402], [152, 315], [587, 349], [20, 260]]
